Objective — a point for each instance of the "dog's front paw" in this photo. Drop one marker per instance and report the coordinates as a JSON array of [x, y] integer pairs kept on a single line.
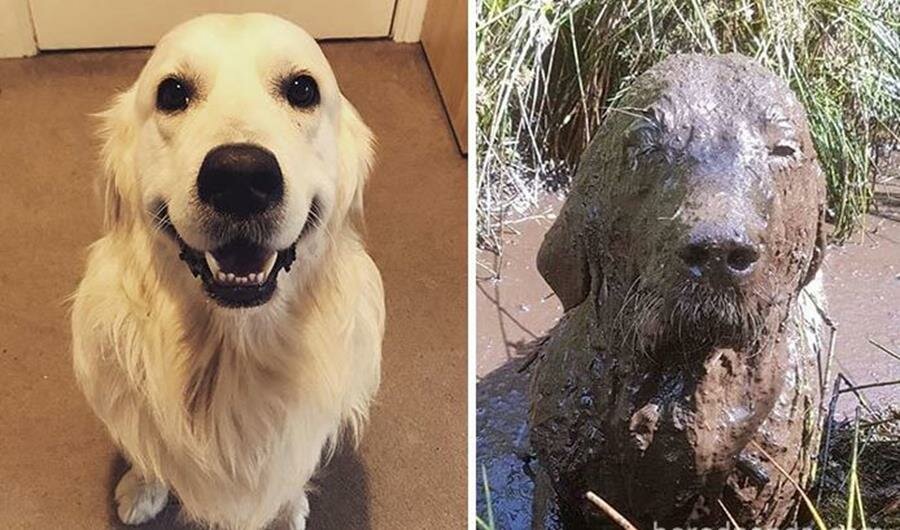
[[139, 500]]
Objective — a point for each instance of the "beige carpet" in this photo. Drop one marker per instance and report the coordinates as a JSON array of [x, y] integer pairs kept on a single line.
[[57, 466]]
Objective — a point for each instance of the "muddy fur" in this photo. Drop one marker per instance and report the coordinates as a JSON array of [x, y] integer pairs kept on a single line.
[[654, 385]]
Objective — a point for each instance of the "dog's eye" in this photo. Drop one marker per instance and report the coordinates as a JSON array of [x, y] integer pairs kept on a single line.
[[301, 91], [173, 95], [784, 149]]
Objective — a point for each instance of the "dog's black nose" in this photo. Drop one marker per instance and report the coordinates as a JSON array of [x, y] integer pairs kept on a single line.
[[711, 253], [240, 180]]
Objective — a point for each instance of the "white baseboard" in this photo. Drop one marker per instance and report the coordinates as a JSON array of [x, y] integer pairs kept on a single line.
[[16, 29]]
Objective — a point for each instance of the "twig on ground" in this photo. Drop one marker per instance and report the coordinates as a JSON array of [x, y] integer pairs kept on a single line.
[[610, 512], [826, 446], [855, 388], [728, 514], [885, 349]]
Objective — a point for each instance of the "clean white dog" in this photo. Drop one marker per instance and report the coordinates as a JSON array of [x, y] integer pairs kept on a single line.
[[229, 324]]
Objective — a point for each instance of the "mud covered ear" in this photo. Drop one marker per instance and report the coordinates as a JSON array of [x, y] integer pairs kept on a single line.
[[818, 251], [562, 260], [117, 182], [355, 150]]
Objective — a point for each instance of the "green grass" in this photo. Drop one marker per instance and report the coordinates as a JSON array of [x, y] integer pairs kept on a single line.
[[488, 522], [854, 498], [860, 484], [549, 72]]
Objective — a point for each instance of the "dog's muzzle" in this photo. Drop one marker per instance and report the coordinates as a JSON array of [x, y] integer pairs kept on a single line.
[[240, 187], [240, 272]]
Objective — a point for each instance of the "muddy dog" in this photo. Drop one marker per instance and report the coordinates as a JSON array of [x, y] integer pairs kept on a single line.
[[686, 258]]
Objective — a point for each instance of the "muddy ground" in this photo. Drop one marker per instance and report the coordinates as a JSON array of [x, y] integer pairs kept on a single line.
[[862, 280]]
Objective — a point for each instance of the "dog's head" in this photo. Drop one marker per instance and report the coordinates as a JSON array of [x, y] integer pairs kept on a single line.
[[236, 145], [702, 205]]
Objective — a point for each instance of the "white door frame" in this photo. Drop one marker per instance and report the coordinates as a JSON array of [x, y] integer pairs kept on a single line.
[[16, 29], [17, 37], [408, 18]]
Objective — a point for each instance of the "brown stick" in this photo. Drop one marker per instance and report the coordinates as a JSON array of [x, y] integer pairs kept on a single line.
[[610, 511], [728, 514]]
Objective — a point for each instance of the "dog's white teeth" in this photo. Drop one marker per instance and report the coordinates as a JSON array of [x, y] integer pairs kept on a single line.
[[229, 278], [212, 263], [267, 268]]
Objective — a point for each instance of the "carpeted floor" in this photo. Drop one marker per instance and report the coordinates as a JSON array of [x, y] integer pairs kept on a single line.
[[57, 466]]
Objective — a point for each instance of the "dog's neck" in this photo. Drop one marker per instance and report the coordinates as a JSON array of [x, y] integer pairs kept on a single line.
[[690, 414], [218, 342]]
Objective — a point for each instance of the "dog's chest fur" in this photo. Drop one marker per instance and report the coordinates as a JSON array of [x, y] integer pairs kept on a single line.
[[231, 410], [582, 444]]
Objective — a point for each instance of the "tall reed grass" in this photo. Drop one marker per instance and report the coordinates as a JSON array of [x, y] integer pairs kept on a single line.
[[549, 72]]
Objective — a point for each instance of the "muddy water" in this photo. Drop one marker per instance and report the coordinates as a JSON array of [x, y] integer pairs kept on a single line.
[[863, 287], [511, 312]]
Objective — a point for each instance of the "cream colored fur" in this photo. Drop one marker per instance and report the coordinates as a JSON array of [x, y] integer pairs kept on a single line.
[[279, 381]]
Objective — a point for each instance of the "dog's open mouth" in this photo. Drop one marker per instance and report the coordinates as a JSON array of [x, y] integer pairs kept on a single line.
[[239, 273], [240, 263]]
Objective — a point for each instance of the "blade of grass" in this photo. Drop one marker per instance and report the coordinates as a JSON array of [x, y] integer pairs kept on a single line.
[[820, 524], [855, 494], [487, 497], [851, 490]]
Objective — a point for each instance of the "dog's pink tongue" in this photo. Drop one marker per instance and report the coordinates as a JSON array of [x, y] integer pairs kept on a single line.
[[241, 258]]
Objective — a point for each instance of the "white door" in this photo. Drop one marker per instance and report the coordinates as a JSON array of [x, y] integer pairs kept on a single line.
[[66, 24]]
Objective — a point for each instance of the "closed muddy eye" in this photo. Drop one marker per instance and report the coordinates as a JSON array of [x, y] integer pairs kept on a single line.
[[784, 150], [642, 137]]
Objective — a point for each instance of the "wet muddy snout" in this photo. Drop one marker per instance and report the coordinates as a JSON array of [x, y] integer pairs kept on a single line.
[[721, 227], [723, 253]]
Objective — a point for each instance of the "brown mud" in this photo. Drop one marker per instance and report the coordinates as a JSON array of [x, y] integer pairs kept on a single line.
[[862, 282]]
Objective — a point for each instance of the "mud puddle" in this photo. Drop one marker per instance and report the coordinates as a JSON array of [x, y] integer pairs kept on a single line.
[[863, 289]]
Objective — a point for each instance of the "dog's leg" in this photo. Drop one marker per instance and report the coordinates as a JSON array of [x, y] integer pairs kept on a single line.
[[137, 499], [298, 511]]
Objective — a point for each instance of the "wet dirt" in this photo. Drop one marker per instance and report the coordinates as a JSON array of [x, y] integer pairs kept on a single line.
[[862, 280]]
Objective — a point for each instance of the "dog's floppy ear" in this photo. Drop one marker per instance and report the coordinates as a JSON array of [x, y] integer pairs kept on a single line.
[[562, 260], [355, 151], [117, 183]]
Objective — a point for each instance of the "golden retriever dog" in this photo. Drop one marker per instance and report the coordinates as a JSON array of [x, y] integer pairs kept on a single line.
[[229, 325]]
